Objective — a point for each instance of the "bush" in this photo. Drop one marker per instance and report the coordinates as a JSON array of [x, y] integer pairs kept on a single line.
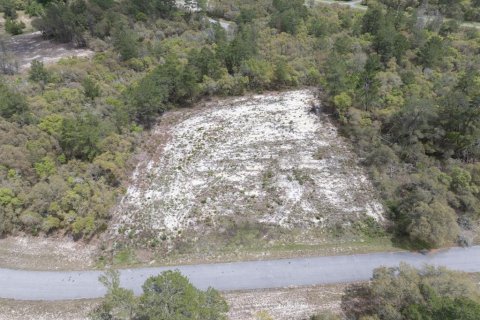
[[12, 105], [407, 293], [8, 8], [167, 296], [38, 73], [90, 88], [14, 27], [34, 9]]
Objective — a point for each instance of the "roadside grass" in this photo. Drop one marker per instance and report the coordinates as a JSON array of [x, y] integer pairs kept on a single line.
[[248, 243]]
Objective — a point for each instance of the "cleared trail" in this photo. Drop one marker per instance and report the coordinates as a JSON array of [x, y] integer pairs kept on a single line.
[[34, 285]]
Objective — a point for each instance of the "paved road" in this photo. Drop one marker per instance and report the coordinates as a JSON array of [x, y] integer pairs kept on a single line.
[[34, 285]]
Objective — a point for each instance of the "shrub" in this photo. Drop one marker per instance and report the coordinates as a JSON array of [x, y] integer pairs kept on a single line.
[[38, 73], [14, 27], [91, 89]]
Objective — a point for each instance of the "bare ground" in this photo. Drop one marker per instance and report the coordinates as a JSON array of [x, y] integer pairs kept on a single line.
[[45, 254], [280, 304], [261, 162], [25, 48]]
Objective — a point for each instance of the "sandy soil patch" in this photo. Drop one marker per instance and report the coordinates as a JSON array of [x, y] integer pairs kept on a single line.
[[285, 304], [59, 310], [45, 254], [28, 47], [265, 159]]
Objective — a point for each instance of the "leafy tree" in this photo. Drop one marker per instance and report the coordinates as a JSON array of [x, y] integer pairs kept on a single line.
[[64, 21], [243, 47], [79, 137], [431, 54], [119, 303], [91, 88], [8, 8], [407, 293], [368, 84], [168, 296], [125, 42], [290, 14], [432, 225], [38, 73], [12, 105], [172, 82]]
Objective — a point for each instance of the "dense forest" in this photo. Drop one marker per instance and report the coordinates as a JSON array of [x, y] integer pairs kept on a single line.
[[402, 79]]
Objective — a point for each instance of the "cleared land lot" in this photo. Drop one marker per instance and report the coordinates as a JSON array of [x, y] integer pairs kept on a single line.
[[264, 163]]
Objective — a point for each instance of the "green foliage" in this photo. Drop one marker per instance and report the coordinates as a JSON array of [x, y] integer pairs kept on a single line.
[[45, 168], [168, 296], [34, 8], [431, 54], [432, 225], [12, 105], [172, 82], [125, 42], [9, 10], [38, 73], [342, 102], [52, 124], [64, 21], [14, 27], [91, 89], [79, 137], [289, 16], [159, 8], [408, 293]]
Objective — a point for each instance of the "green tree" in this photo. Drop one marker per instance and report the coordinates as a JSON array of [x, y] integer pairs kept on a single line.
[[289, 15], [8, 8], [431, 54], [12, 105], [79, 137], [38, 73], [170, 83], [405, 293], [91, 88], [433, 225], [125, 42], [118, 303], [168, 296], [65, 21]]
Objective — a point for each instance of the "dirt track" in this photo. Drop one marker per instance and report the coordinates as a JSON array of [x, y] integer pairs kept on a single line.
[[32, 46]]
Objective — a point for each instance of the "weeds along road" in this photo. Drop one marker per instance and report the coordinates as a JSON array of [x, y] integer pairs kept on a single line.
[[37, 285]]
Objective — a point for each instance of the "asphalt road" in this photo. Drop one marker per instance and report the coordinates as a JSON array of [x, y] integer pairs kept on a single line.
[[35, 285]]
